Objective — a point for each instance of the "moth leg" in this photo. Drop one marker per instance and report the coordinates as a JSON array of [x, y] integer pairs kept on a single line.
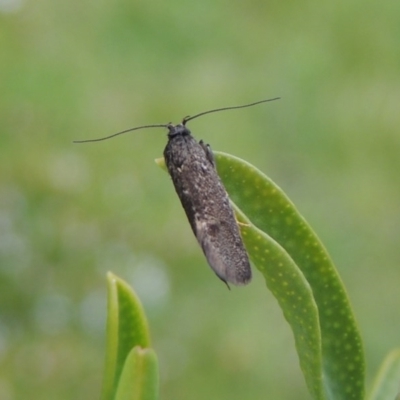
[[242, 223], [239, 223], [208, 151]]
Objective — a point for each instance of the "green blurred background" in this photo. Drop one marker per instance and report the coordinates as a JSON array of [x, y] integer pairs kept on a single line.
[[69, 213]]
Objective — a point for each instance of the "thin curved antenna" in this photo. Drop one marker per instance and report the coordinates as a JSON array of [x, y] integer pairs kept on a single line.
[[186, 119], [120, 133]]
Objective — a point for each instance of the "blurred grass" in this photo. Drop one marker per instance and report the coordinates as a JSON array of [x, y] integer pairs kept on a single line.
[[69, 213]]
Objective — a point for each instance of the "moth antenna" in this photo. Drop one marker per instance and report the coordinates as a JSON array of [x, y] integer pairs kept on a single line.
[[188, 118], [120, 133]]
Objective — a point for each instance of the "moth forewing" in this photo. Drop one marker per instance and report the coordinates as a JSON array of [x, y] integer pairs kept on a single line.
[[206, 203]]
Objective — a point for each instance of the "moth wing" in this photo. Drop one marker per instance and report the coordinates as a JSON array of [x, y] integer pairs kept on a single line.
[[229, 261]]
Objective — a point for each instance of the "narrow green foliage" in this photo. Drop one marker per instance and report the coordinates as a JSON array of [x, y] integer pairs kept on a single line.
[[268, 208], [387, 381], [139, 378], [295, 297], [126, 329]]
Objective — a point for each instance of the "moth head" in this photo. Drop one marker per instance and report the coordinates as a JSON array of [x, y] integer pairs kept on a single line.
[[177, 130]]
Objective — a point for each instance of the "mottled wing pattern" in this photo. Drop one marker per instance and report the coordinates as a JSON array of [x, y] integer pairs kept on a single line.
[[207, 207]]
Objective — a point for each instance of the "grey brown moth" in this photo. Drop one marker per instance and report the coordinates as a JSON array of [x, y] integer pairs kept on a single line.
[[206, 203]]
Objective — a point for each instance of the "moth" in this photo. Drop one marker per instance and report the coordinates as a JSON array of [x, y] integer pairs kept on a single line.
[[206, 203]]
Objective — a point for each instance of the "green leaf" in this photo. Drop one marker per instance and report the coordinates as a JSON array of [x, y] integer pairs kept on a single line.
[[139, 378], [126, 329], [295, 297], [267, 207], [387, 382]]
